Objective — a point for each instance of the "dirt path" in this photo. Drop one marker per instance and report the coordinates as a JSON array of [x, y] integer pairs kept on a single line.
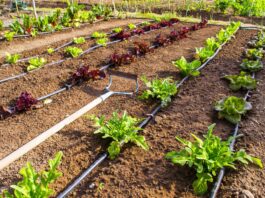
[[21, 45]]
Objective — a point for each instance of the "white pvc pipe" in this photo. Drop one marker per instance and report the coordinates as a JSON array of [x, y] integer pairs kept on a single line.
[[51, 131]]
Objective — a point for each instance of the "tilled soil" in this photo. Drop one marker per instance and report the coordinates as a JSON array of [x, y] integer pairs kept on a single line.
[[77, 141], [137, 173], [20, 45], [250, 180]]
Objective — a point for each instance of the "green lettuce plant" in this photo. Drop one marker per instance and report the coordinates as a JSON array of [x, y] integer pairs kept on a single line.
[[242, 80], [36, 184], [161, 89], [12, 58], [121, 130], [254, 54], [187, 68], [207, 157], [9, 35], [98, 35], [251, 65], [35, 63], [79, 40], [232, 108], [73, 51], [102, 41]]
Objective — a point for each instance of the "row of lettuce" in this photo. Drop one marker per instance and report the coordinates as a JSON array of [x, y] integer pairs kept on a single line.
[[101, 39], [73, 16], [205, 156], [27, 102]]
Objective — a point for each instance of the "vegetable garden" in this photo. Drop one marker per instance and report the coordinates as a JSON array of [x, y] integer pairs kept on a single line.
[[156, 106]]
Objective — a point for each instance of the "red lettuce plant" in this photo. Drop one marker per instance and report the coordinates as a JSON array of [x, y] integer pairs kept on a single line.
[[122, 35], [24, 103], [141, 48], [138, 32], [119, 59], [151, 27], [162, 40], [84, 74], [165, 24]]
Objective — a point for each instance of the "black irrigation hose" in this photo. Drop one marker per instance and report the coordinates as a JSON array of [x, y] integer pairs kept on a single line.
[[65, 45], [251, 28], [63, 60], [149, 117], [221, 174]]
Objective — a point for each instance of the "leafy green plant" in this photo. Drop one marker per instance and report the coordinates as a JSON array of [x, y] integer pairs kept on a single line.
[[79, 40], [73, 9], [251, 65], [232, 108], [121, 130], [161, 89], [131, 26], [222, 5], [73, 51], [35, 63], [203, 53], [241, 81], [254, 54], [186, 68], [86, 16], [207, 157], [16, 27], [50, 50], [117, 30], [9, 35], [36, 184], [99, 35], [12, 59], [102, 41], [212, 44], [42, 24]]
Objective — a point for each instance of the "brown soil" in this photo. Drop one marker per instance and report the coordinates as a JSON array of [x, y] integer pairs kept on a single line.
[[136, 173], [77, 141], [251, 179], [20, 45]]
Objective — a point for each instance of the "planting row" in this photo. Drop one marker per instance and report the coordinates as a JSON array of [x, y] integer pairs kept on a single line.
[[74, 15], [162, 85], [26, 101], [73, 52]]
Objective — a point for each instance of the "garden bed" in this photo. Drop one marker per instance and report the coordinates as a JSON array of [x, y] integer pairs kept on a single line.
[[82, 145]]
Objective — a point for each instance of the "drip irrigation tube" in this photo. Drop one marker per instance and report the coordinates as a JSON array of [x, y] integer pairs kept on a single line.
[[149, 117], [221, 174], [91, 49], [57, 127]]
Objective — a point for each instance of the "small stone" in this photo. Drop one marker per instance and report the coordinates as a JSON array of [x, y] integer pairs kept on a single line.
[[92, 185], [246, 194]]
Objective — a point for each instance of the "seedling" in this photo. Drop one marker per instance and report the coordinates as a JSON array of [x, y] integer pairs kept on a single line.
[[9, 35], [12, 59], [36, 184], [131, 26], [79, 40], [102, 41], [186, 68], [251, 65], [35, 63], [50, 50], [207, 157], [73, 51], [232, 108], [241, 81], [161, 89], [117, 30], [99, 35], [121, 130], [254, 54]]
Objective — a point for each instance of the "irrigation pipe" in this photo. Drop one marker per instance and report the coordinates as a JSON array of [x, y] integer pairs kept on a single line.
[[65, 45], [149, 117], [54, 129], [221, 174], [63, 60]]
